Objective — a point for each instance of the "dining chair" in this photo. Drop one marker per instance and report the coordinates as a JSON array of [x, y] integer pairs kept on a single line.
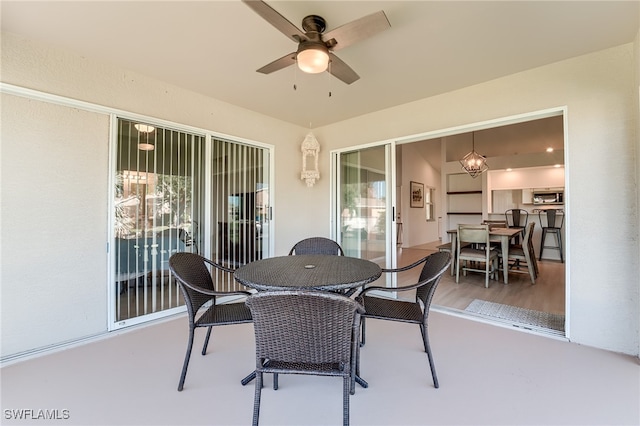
[[198, 289], [317, 245], [516, 218], [414, 312], [305, 332], [495, 223], [477, 236], [524, 252]]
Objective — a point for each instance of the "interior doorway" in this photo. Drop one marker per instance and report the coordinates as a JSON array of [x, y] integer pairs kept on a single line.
[[510, 146]]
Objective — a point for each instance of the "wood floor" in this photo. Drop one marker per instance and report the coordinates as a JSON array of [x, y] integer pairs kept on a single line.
[[547, 294]]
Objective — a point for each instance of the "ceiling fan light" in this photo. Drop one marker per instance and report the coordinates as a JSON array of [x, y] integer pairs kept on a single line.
[[313, 59], [146, 147]]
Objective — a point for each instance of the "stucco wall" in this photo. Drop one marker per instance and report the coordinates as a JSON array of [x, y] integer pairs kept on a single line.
[[416, 230], [599, 91]]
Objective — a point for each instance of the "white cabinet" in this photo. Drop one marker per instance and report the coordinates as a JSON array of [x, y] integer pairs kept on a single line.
[[527, 196]]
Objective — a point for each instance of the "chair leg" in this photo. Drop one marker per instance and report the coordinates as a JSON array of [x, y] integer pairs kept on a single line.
[[206, 341], [183, 375], [427, 348], [355, 371], [275, 381], [544, 235], [487, 272], [346, 391], [530, 267], [559, 240], [362, 334], [256, 399]]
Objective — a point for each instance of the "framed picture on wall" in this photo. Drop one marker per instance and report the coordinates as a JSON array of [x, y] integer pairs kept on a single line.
[[417, 194]]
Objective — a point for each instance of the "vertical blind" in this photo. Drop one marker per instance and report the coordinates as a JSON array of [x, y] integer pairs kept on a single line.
[[158, 174], [240, 205], [162, 207]]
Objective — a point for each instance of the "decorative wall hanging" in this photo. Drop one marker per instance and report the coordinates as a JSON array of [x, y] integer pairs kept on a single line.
[[417, 194], [310, 147]]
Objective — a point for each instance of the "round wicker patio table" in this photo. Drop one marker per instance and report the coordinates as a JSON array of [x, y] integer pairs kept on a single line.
[[300, 272]]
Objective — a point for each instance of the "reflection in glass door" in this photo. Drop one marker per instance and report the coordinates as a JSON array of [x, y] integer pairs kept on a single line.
[[364, 204]]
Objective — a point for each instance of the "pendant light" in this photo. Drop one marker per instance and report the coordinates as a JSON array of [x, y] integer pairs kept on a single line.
[[145, 129], [473, 163]]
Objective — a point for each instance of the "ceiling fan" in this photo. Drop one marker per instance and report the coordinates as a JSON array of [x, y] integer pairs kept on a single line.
[[315, 47]]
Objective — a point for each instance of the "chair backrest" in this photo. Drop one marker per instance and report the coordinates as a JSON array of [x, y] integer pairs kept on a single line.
[[516, 218], [304, 326], [527, 241], [493, 224], [193, 276], [476, 234], [317, 245], [551, 216], [433, 269]]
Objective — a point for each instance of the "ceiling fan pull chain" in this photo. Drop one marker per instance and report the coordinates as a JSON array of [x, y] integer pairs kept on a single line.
[[330, 78]]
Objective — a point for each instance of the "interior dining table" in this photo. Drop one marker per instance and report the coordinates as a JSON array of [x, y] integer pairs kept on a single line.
[[502, 235], [341, 274]]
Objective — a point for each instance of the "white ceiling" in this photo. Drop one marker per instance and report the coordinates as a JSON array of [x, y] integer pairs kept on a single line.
[[432, 47]]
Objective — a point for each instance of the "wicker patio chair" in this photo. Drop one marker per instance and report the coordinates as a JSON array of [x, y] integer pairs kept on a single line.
[[317, 245], [196, 284], [405, 311], [305, 332], [320, 245]]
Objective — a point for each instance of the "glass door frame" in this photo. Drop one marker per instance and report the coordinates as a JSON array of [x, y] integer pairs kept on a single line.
[[390, 205]]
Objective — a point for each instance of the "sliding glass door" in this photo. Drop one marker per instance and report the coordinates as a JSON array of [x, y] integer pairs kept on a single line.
[[363, 200], [176, 191]]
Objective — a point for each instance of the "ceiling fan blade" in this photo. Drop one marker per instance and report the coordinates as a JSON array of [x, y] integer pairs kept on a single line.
[[357, 30], [341, 70], [278, 21], [278, 64]]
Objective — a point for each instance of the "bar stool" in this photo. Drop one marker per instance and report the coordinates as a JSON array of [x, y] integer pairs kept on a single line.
[[552, 227]]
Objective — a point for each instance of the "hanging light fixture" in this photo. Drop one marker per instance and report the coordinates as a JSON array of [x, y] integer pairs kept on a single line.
[[474, 163], [312, 57], [145, 129]]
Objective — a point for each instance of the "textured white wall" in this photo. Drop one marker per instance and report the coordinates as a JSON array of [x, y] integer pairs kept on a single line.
[[416, 229], [54, 217], [598, 90]]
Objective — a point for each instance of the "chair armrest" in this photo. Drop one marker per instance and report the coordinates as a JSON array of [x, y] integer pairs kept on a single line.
[[405, 268], [402, 288], [219, 266], [215, 293]]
